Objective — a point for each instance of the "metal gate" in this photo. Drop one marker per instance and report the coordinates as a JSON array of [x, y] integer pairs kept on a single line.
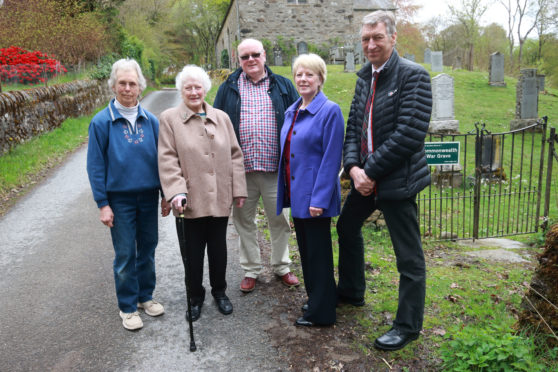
[[495, 190]]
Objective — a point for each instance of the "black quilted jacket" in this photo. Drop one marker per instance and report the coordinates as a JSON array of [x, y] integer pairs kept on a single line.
[[401, 114]]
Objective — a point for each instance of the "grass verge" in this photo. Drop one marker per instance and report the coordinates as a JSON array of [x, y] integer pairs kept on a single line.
[[21, 167]]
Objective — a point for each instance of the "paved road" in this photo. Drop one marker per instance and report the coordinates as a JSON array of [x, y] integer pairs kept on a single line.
[[58, 308]]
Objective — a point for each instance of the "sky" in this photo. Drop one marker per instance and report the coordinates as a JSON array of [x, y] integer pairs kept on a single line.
[[495, 12]]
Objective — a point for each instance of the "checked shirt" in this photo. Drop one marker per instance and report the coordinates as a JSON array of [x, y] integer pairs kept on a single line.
[[258, 129]]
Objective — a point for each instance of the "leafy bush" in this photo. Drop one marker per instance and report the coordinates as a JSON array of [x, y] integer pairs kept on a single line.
[[491, 349], [104, 66], [25, 67]]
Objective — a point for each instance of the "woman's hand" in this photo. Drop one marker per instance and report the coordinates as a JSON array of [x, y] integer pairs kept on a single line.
[[316, 212], [239, 202], [107, 217], [165, 207], [176, 202]]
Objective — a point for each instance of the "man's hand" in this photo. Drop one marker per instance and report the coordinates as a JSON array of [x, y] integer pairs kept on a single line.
[[363, 184], [239, 202], [165, 207], [107, 217]]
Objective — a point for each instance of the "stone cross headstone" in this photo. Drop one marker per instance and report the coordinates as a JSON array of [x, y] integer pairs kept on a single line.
[[437, 62], [409, 56], [302, 48], [527, 99], [496, 70], [427, 55], [540, 83], [349, 62], [443, 117], [278, 57]]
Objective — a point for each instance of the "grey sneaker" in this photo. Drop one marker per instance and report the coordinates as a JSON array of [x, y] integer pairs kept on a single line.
[[131, 321], [152, 308]]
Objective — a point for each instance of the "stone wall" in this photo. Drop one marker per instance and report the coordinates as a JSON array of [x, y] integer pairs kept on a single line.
[[27, 113], [313, 22]]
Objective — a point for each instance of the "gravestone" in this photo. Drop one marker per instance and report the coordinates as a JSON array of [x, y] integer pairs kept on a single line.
[[526, 99], [491, 157], [278, 57], [349, 62], [427, 55], [409, 56], [443, 117], [302, 48], [496, 70], [540, 83], [359, 54], [448, 175], [437, 62], [457, 63]]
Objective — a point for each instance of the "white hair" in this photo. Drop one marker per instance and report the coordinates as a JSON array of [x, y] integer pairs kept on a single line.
[[193, 72], [126, 64]]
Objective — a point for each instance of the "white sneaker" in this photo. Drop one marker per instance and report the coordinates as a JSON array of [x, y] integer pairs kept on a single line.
[[131, 321], [152, 308]]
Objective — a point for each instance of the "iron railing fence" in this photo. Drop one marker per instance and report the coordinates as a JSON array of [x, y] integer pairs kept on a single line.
[[494, 191]]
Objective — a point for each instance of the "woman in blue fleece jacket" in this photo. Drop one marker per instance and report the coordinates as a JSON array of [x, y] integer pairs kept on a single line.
[[122, 169]]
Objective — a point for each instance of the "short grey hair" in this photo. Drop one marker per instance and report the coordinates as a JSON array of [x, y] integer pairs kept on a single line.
[[126, 64], [193, 72], [381, 16]]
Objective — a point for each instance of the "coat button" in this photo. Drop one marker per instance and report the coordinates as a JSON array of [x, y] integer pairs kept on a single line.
[[294, 132], [292, 177], [292, 155]]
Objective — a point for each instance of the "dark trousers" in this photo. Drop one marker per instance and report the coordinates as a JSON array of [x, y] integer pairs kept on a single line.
[[401, 220], [210, 231], [316, 256]]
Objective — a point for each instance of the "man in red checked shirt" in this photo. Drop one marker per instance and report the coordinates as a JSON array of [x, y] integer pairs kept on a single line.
[[256, 100]]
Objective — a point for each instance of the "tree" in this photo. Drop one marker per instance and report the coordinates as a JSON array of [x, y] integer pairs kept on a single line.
[[524, 8], [198, 23], [468, 16], [511, 9], [57, 28]]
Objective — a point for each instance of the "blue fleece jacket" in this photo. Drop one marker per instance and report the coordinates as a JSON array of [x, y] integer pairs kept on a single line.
[[119, 158]]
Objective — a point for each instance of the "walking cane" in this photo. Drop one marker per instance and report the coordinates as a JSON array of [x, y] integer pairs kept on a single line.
[[192, 342]]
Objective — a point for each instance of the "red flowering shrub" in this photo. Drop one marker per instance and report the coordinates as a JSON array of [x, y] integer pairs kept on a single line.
[[24, 67]]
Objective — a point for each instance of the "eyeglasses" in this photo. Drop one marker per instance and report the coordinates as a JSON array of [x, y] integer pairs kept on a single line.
[[253, 55]]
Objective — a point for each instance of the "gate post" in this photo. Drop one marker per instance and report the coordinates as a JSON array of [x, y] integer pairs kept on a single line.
[[551, 140], [478, 178]]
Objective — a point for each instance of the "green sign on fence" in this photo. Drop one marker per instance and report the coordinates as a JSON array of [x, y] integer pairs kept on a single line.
[[442, 153]]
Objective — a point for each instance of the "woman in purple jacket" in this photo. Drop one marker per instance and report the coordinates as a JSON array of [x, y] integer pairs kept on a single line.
[[308, 183]]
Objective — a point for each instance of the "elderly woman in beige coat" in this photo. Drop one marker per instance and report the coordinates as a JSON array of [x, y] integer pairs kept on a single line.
[[201, 165]]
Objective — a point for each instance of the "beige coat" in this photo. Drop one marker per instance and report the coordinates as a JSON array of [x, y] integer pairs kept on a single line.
[[202, 158]]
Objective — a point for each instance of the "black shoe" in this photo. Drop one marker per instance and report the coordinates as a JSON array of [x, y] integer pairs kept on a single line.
[[303, 322], [304, 307], [349, 300], [224, 305], [196, 312], [394, 339]]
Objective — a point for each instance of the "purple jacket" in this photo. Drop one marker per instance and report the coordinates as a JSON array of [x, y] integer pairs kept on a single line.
[[316, 150]]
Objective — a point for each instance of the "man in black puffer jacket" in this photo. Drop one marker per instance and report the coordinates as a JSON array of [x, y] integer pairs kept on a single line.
[[387, 165]]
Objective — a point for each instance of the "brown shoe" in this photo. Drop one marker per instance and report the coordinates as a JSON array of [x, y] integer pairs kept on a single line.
[[247, 284], [290, 280]]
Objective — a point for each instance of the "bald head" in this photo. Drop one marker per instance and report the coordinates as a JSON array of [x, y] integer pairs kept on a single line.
[[251, 56]]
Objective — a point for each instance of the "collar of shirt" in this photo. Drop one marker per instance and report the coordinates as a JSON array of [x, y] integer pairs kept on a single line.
[[379, 69], [246, 78]]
